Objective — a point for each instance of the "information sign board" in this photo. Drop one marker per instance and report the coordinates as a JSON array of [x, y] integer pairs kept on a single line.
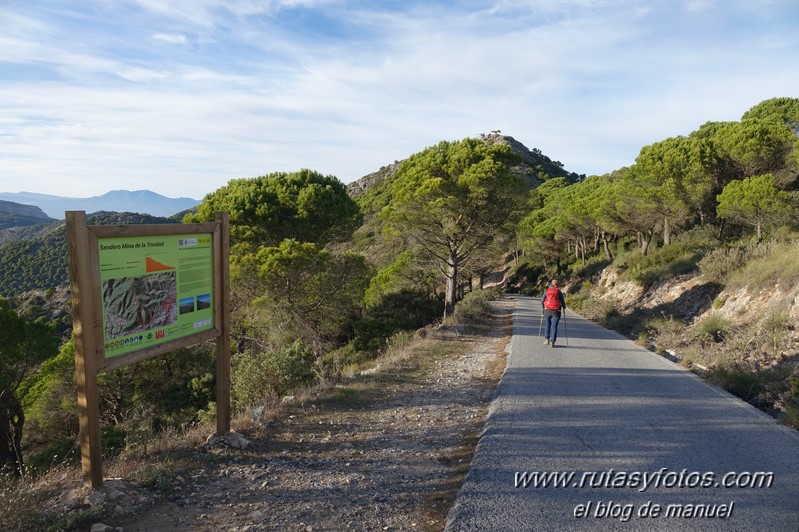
[[139, 291], [155, 289]]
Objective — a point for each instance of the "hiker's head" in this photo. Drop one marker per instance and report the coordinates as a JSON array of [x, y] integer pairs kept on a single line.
[[554, 283]]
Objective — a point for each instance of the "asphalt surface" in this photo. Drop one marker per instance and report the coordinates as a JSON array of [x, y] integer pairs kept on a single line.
[[651, 445]]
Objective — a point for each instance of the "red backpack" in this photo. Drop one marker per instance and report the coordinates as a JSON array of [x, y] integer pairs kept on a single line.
[[552, 300]]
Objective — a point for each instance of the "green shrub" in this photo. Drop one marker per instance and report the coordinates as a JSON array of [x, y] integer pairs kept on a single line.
[[713, 327], [792, 414], [406, 310], [592, 267], [474, 306], [678, 258], [335, 363], [583, 289], [662, 264], [207, 414], [693, 355], [662, 332], [791, 402], [736, 380], [774, 326], [720, 263], [257, 377], [524, 276], [60, 450], [591, 308], [761, 388], [577, 298], [665, 325], [112, 440], [399, 340], [630, 325]]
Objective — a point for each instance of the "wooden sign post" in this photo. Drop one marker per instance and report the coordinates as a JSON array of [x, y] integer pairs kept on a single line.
[[139, 291]]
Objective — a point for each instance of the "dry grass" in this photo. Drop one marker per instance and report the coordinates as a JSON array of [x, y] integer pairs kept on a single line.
[[34, 504], [768, 264]]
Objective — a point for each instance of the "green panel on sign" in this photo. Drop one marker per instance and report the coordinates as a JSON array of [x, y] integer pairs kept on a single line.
[[155, 289]]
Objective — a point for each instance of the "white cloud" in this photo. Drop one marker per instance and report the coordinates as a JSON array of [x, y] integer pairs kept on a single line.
[[170, 38], [588, 82]]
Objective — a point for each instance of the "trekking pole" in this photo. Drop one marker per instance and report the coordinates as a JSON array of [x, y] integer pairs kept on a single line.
[[540, 323], [565, 329]]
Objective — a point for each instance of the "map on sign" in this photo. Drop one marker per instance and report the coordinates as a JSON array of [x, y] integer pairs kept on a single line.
[[154, 289], [138, 304]]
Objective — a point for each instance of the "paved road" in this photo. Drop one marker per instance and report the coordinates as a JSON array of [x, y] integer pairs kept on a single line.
[[621, 416]]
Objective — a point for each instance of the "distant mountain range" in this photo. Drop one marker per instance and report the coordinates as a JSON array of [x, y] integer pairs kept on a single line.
[[140, 201]]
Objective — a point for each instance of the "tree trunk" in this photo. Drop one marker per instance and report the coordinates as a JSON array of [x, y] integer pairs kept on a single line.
[[583, 245], [646, 239], [666, 231], [12, 419], [452, 287], [759, 231], [605, 245]]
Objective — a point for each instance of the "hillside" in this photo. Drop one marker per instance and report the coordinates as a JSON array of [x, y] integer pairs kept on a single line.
[[138, 201], [17, 219], [27, 213], [371, 192]]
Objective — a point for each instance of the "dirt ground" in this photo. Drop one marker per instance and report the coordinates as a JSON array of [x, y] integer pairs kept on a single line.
[[385, 450]]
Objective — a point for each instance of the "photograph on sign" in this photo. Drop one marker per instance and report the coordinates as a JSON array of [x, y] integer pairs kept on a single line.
[[154, 289]]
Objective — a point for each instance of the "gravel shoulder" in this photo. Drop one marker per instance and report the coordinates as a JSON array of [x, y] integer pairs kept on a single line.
[[386, 450]]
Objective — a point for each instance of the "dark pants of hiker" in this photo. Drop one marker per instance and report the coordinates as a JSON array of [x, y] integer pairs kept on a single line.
[[552, 317]]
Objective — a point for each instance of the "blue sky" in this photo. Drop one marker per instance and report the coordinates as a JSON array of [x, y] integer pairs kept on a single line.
[[180, 96]]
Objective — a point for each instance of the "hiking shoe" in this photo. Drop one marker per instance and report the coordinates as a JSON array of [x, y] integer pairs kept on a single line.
[[546, 342], [551, 345]]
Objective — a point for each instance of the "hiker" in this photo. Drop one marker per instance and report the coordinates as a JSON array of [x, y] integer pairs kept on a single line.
[[552, 303]]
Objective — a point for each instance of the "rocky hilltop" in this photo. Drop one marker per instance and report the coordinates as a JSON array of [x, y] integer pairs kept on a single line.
[[534, 168], [356, 188]]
